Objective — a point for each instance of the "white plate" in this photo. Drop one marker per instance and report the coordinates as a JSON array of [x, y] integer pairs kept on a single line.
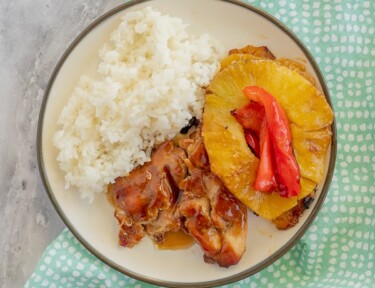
[[234, 24]]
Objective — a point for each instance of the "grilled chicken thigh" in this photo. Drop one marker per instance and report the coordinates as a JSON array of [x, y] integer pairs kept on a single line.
[[146, 191], [177, 191]]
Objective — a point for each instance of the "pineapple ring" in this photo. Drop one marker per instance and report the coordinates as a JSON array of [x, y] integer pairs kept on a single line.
[[230, 158], [303, 103], [310, 148], [294, 65]]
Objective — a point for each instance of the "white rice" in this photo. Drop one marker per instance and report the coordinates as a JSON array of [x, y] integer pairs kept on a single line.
[[151, 78]]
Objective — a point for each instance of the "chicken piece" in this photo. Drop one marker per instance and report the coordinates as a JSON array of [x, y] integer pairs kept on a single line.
[[197, 222], [230, 219], [166, 220], [216, 219], [261, 51], [212, 215], [130, 232], [177, 191], [194, 208], [147, 190], [194, 147]]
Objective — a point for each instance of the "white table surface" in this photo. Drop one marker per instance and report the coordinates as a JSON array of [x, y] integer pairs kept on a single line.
[[33, 36]]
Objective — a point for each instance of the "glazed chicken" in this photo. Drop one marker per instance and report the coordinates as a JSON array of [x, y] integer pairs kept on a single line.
[[215, 218], [177, 191], [142, 195]]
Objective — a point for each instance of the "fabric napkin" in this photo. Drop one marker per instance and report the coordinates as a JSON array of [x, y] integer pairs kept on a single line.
[[338, 249]]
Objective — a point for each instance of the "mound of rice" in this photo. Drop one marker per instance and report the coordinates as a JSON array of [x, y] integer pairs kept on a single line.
[[151, 77]]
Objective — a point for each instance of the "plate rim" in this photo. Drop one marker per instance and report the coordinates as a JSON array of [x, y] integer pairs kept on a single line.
[[227, 280]]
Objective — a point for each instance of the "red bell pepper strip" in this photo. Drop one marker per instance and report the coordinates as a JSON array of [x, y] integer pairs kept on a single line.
[[252, 141], [265, 180], [250, 116], [286, 168]]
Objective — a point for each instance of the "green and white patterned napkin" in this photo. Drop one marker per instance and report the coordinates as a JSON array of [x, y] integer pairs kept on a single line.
[[338, 249]]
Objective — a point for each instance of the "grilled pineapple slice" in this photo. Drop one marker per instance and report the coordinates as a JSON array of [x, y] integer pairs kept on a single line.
[[230, 158], [293, 65], [303, 103], [307, 186], [310, 149]]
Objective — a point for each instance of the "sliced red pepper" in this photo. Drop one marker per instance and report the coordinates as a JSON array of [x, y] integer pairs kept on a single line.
[[253, 141], [265, 180], [250, 116], [286, 168]]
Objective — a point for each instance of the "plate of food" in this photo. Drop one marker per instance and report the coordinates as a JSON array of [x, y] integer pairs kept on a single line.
[[187, 143]]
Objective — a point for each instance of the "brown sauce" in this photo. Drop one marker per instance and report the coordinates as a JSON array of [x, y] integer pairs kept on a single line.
[[175, 241]]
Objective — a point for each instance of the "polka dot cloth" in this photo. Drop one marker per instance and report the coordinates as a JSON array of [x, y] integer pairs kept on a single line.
[[338, 249]]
